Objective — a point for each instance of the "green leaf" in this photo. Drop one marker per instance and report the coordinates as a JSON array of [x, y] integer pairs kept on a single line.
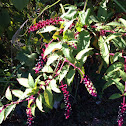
[[109, 83], [20, 4], [123, 21], [112, 36], [31, 81], [27, 93], [123, 75], [67, 25], [117, 65], [114, 96], [47, 69], [39, 102], [53, 86], [67, 52], [71, 13], [33, 109], [8, 110], [24, 57], [68, 35], [82, 53], [114, 24], [84, 16], [2, 114], [23, 82], [63, 72], [104, 50], [117, 56], [52, 47], [17, 93], [48, 97], [119, 42], [37, 80], [83, 40], [52, 58], [70, 76], [47, 29], [119, 85], [102, 11], [8, 94]]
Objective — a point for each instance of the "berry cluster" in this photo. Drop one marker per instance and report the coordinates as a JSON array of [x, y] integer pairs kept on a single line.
[[121, 113], [90, 87], [41, 62], [30, 117], [66, 100], [47, 22]]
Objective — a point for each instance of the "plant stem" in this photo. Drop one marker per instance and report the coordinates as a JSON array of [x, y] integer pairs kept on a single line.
[[85, 5]]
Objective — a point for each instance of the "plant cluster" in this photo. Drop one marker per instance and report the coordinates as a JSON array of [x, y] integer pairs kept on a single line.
[[67, 42]]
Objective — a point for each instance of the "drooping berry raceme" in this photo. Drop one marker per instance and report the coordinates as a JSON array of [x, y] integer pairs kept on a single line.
[[41, 61], [29, 112], [30, 117], [121, 113], [89, 85], [122, 108], [66, 100], [47, 22]]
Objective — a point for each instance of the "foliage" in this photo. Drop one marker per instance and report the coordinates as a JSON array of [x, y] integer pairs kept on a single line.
[[63, 43]]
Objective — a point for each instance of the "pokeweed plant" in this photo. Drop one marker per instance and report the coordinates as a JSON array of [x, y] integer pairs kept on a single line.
[[76, 34]]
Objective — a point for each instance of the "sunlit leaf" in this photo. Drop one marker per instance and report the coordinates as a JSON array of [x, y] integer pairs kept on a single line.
[[8, 94], [48, 97], [47, 29], [23, 82], [1, 115], [71, 13], [123, 21], [31, 81], [104, 50], [33, 109], [53, 86], [17, 93], [51, 59], [8, 110], [82, 53], [84, 16], [67, 52], [53, 46], [63, 72], [47, 69], [123, 75], [70, 76], [39, 102]]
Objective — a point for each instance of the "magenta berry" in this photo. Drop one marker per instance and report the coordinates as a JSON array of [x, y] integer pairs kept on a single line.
[[90, 87], [29, 116], [121, 113], [66, 100], [41, 62], [42, 24]]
